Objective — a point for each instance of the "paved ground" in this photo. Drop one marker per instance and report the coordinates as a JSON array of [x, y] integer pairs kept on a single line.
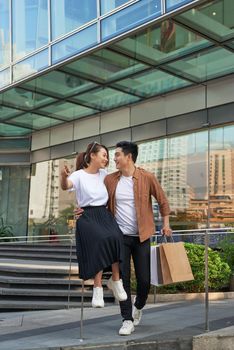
[[166, 325]]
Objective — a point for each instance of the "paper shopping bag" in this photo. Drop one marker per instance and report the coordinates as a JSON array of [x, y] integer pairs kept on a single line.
[[155, 266], [175, 265]]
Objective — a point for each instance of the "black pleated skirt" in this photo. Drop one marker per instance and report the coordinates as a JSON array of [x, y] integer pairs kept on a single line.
[[99, 241]]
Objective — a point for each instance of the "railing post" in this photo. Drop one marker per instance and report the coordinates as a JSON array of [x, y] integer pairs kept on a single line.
[[82, 312], [69, 279], [206, 281]]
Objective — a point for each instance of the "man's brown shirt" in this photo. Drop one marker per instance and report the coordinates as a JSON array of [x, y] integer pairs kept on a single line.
[[145, 186]]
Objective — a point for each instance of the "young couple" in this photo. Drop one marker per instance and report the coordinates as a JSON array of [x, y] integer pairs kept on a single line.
[[111, 237]]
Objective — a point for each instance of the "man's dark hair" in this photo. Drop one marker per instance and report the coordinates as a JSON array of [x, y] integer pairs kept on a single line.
[[129, 147]]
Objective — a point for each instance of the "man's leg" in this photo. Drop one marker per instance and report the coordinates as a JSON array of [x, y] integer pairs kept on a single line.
[[141, 259], [126, 306]]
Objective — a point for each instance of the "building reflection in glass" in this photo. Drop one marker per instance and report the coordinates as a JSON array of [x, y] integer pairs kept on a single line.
[[181, 166]]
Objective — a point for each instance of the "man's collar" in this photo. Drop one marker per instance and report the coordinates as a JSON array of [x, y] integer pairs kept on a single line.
[[135, 174]]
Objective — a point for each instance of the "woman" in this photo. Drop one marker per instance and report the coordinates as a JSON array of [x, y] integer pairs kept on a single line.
[[99, 240]]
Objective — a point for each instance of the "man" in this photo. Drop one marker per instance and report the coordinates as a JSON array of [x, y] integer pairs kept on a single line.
[[130, 190]]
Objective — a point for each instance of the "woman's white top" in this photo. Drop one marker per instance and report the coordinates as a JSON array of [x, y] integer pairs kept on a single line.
[[90, 188]]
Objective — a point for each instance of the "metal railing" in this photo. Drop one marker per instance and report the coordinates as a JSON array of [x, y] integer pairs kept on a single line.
[[207, 237]]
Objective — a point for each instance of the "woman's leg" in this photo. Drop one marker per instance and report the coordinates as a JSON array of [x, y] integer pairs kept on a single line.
[[115, 271], [98, 279], [97, 300]]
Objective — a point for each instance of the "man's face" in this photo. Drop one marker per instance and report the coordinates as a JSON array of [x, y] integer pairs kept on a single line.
[[121, 161]]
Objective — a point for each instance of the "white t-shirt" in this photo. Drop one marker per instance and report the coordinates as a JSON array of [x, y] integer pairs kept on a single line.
[[125, 214], [90, 188]]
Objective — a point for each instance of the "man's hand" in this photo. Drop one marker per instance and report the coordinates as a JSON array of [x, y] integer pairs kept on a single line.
[[167, 231], [78, 212]]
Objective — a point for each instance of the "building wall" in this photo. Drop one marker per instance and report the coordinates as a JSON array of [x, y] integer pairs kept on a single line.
[[178, 112]]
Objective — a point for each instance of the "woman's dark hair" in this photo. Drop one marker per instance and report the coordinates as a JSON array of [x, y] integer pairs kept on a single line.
[[129, 147], [83, 159]]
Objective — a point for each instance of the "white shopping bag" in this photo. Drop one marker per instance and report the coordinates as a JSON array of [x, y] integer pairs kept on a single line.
[[155, 266]]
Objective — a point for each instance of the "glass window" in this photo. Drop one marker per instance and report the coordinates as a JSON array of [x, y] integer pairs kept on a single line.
[[104, 66], [30, 26], [150, 83], [59, 84], [104, 99], [50, 209], [31, 65], [109, 5], [68, 15], [74, 44], [22, 144], [6, 130], [203, 66], [130, 17], [215, 20], [5, 78], [221, 179], [173, 4], [34, 121], [14, 189], [67, 111], [4, 33], [165, 42], [6, 112], [180, 164], [27, 100]]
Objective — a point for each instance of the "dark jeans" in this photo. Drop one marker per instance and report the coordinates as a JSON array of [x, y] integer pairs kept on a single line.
[[140, 253]]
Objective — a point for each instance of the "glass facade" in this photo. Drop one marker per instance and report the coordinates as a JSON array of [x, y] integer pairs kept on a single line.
[[4, 33], [193, 46], [188, 49], [130, 17], [29, 26], [50, 209], [196, 174], [67, 15], [14, 194], [64, 28]]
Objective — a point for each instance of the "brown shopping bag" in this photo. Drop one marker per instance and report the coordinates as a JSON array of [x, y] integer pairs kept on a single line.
[[175, 265], [155, 266]]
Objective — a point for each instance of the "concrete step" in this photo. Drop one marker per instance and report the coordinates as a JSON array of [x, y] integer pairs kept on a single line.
[[36, 267], [37, 247], [9, 305], [31, 280], [44, 281], [49, 255], [222, 339], [43, 245], [48, 293], [49, 281]]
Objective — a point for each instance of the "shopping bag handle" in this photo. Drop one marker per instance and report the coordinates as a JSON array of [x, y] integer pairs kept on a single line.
[[166, 239]]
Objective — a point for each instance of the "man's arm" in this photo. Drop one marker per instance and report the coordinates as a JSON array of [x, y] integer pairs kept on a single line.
[[166, 229], [65, 183], [159, 195]]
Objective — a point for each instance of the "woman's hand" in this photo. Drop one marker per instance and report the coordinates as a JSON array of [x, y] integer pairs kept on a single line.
[[78, 212], [64, 181], [65, 172]]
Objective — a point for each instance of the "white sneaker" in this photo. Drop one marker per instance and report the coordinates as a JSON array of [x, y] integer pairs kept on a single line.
[[117, 289], [136, 314], [97, 300], [127, 328]]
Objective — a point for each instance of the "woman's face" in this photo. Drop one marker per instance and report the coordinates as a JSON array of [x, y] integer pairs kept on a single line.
[[100, 159]]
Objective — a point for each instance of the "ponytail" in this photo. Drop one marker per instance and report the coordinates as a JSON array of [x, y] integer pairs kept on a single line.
[[80, 161]]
